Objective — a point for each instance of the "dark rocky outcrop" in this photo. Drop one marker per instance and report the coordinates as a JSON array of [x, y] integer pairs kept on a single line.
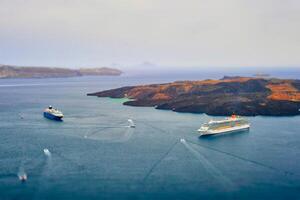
[[239, 95]]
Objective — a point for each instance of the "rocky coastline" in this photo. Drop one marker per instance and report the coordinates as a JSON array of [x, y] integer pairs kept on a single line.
[[9, 71], [246, 96]]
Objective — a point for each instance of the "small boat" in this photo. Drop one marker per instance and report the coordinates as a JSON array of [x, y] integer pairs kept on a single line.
[[47, 152], [131, 123], [52, 113], [23, 178], [228, 125]]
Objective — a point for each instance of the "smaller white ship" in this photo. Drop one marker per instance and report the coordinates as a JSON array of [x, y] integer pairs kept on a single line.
[[228, 125], [131, 123], [47, 152], [23, 177]]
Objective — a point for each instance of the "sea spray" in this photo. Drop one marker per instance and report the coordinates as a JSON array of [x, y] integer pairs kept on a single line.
[[209, 167]]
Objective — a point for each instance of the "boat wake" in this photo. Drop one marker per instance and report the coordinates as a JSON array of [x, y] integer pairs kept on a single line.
[[284, 172], [210, 168], [48, 166], [112, 136], [159, 161]]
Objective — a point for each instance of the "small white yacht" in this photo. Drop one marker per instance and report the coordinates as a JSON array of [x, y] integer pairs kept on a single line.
[[23, 177], [47, 152], [227, 125], [131, 123]]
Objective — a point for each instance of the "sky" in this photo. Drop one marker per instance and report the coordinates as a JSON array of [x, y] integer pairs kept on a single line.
[[173, 33]]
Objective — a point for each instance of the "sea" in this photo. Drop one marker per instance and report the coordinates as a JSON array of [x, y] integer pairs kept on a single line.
[[94, 154]]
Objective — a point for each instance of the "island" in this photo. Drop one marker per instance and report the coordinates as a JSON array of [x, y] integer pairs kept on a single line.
[[10, 71], [246, 96]]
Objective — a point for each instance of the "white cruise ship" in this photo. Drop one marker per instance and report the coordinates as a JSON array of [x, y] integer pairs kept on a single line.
[[231, 124]]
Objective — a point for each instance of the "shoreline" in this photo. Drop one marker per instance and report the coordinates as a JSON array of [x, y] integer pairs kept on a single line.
[[243, 96]]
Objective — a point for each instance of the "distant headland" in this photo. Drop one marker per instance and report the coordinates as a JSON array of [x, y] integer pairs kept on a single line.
[[247, 96], [10, 71]]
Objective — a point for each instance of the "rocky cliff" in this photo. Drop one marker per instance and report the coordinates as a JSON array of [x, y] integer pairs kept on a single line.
[[239, 95]]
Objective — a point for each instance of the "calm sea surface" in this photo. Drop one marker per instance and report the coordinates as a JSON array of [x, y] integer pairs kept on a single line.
[[94, 155]]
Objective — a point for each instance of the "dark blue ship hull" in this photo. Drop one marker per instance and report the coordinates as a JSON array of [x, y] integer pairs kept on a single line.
[[51, 116]]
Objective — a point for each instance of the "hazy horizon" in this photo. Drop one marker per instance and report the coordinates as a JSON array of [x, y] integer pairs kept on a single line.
[[193, 34]]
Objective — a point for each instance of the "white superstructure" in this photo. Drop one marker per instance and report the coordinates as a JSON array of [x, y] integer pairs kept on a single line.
[[54, 112], [231, 124]]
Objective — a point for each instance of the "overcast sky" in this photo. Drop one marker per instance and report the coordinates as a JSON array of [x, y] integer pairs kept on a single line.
[[198, 33]]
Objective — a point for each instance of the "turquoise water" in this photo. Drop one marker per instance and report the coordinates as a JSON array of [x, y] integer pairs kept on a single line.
[[94, 155]]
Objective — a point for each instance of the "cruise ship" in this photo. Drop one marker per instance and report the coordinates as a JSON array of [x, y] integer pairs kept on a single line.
[[52, 113], [227, 125]]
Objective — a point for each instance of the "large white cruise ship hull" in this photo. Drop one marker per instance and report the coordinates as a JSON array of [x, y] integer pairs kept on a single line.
[[225, 130]]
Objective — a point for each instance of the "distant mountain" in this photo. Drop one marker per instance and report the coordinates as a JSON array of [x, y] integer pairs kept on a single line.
[[144, 66], [239, 95], [100, 71], [148, 64], [9, 71]]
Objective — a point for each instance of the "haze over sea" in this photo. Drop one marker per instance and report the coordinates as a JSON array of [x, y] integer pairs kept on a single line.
[[95, 155]]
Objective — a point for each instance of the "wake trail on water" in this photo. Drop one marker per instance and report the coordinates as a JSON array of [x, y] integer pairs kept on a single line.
[[154, 127], [64, 158], [244, 159], [99, 130], [159, 161], [126, 136], [45, 172], [47, 164], [209, 167], [21, 170]]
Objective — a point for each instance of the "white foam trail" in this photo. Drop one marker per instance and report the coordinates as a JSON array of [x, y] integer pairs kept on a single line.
[[47, 152], [47, 167], [209, 167], [127, 135], [21, 171], [45, 173]]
